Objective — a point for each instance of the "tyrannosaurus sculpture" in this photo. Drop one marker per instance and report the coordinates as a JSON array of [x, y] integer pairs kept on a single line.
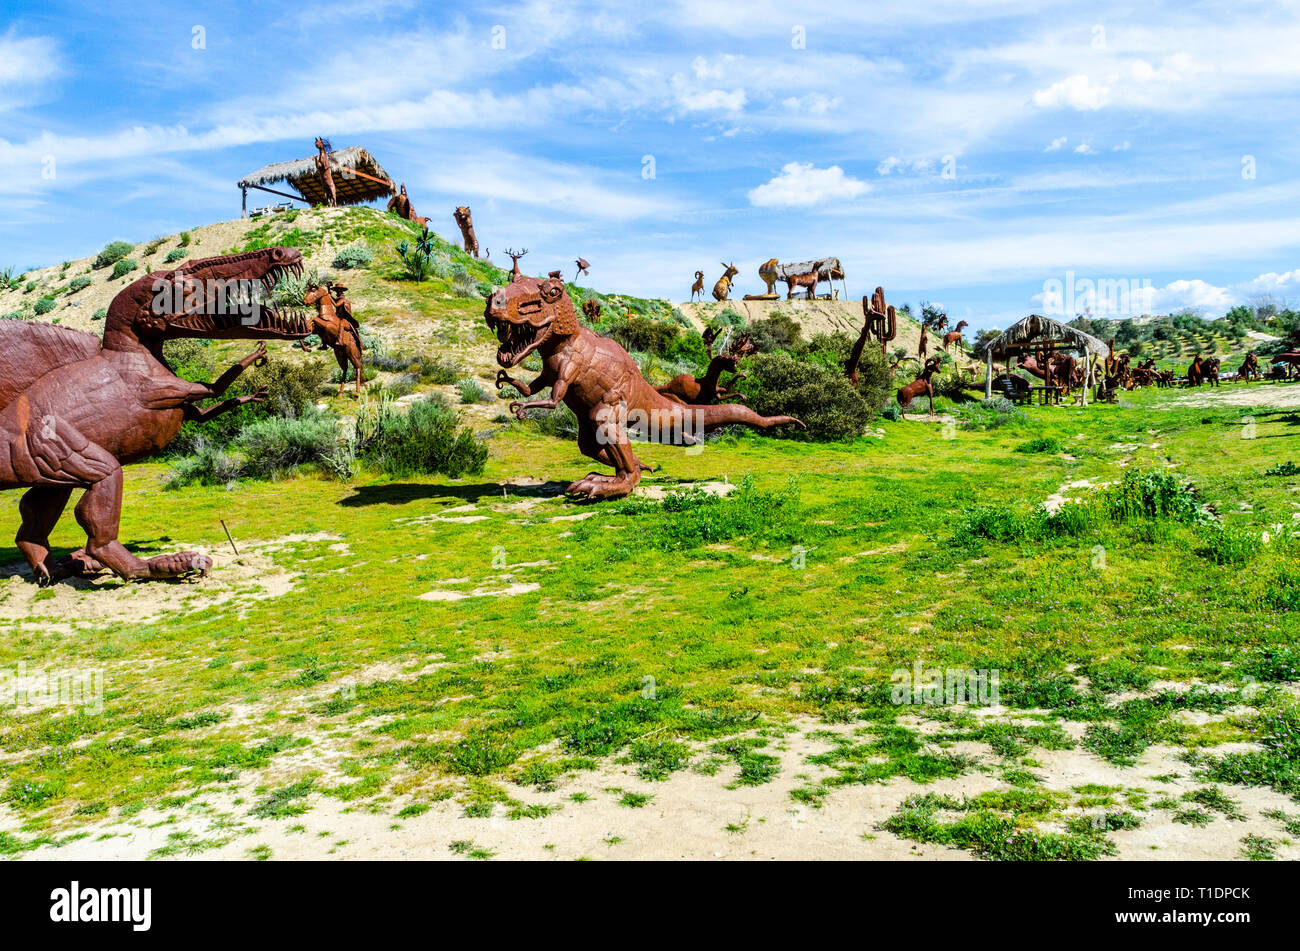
[[74, 410], [595, 378]]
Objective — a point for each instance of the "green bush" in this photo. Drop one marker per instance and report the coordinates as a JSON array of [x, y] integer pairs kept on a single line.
[[643, 334], [1153, 494], [174, 255], [352, 258], [293, 388], [471, 392], [277, 445], [418, 258], [78, 283], [123, 267], [206, 465], [423, 439], [1042, 444], [1226, 544], [828, 404], [112, 253], [44, 306], [99, 314], [778, 332]]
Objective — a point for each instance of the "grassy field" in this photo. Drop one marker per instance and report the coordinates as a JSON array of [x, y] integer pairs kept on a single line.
[[463, 653]]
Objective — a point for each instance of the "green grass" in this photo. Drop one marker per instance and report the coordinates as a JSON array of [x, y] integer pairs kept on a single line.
[[701, 595]]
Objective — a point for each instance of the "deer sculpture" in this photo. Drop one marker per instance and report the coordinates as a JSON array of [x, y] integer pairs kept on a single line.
[[722, 289], [698, 286], [921, 386], [514, 259]]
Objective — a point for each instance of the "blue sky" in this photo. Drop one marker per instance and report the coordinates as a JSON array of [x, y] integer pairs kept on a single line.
[[967, 153]]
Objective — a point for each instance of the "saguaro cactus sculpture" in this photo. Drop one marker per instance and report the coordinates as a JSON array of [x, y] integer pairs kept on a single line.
[[881, 322]]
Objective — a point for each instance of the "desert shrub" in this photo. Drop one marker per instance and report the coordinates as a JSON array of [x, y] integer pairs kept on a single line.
[[423, 439], [352, 258], [891, 411], [463, 285], [15, 315], [77, 284], [112, 253], [29, 287], [471, 392], [403, 384], [44, 306], [152, 247], [124, 267], [207, 464], [828, 404], [689, 347], [778, 332], [991, 414], [185, 239], [642, 334], [190, 358], [100, 314], [174, 255], [728, 318], [1287, 468], [1153, 494], [1226, 544], [293, 387], [277, 445], [559, 422], [1042, 444]]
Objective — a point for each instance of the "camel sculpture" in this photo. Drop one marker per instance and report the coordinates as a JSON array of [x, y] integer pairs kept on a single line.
[[465, 222], [74, 409], [325, 169], [598, 381], [955, 336], [704, 390], [337, 329], [921, 386], [400, 204], [722, 289]]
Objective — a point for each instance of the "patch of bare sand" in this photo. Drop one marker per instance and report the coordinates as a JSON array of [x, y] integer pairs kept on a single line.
[[79, 603], [1244, 395]]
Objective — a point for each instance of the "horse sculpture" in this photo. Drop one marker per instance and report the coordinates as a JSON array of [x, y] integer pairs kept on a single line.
[[955, 336], [921, 386], [807, 281], [722, 289], [337, 329], [1249, 369]]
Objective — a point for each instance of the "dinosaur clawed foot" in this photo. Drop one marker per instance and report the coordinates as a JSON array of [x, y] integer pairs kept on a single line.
[[178, 565], [596, 487]]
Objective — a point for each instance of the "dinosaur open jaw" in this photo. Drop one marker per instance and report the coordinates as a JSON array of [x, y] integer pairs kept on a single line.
[[198, 304], [518, 340], [257, 322]]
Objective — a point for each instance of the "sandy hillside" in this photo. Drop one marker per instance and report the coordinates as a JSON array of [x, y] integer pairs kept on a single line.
[[77, 309], [816, 316]]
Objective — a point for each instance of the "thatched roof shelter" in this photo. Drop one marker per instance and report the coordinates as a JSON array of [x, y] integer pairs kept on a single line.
[[358, 178], [1035, 333]]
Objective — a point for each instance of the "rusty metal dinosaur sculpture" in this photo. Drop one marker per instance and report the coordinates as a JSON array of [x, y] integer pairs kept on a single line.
[[598, 381], [74, 410]]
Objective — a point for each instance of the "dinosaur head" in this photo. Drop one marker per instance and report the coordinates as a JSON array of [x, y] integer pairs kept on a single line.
[[529, 313], [225, 297]]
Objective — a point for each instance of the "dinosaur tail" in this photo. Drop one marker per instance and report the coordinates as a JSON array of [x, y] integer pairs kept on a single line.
[[724, 414]]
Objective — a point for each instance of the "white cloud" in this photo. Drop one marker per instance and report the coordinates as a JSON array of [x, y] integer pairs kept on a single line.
[[804, 184], [1083, 148], [1122, 147], [888, 165], [1077, 92], [28, 60], [1057, 144]]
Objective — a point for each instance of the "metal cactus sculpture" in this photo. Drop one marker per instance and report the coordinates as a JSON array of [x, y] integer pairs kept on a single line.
[[881, 323]]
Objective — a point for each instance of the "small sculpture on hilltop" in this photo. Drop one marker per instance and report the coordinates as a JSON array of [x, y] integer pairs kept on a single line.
[[401, 205], [698, 286], [583, 266], [722, 289], [466, 224], [514, 257], [325, 169]]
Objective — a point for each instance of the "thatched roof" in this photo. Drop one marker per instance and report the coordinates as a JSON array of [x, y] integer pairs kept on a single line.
[[827, 269], [1036, 330], [352, 189]]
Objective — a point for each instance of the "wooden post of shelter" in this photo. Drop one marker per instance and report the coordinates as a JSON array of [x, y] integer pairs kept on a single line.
[[988, 379]]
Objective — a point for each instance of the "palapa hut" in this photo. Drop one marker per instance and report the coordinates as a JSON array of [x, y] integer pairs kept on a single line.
[[358, 178], [1034, 333]]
